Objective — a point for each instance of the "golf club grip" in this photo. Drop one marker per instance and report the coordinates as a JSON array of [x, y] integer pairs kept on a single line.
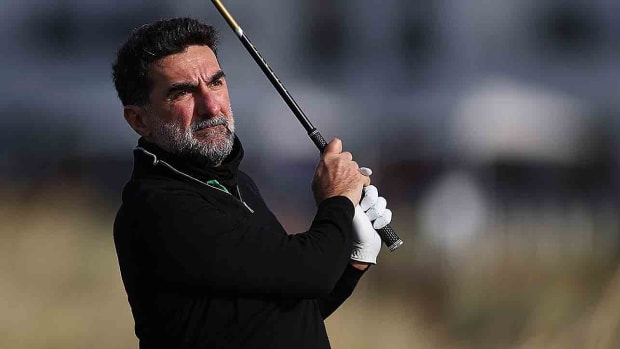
[[318, 140], [387, 234]]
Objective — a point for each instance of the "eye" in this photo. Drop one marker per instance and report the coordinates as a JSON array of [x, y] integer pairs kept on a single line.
[[178, 94], [217, 83]]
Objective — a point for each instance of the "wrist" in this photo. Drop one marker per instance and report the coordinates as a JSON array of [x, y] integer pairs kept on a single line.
[[359, 265]]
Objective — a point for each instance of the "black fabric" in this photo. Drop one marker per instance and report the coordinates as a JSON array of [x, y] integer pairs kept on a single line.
[[202, 270], [226, 174]]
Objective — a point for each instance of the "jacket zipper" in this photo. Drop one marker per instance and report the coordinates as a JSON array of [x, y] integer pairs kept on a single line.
[[170, 167]]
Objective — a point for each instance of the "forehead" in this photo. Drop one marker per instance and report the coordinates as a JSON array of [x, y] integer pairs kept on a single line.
[[192, 64]]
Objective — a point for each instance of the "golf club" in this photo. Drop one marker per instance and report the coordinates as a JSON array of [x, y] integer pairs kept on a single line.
[[387, 234]]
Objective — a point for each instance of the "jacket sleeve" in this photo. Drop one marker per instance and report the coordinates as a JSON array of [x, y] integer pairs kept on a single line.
[[343, 289], [190, 242]]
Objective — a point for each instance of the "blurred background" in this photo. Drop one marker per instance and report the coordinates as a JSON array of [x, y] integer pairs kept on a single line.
[[490, 126]]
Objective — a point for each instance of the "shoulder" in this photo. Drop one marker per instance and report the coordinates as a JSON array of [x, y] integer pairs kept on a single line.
[[162, 195], [153, 188], [247, 182], [244, 177]]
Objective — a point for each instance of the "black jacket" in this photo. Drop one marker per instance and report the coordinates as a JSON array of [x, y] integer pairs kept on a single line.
[[207, 269]]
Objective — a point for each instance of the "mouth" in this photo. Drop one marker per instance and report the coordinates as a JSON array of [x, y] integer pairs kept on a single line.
[[210, 129], [208, 123]]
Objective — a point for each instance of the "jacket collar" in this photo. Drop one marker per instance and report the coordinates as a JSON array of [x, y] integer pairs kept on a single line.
[[225, 174]]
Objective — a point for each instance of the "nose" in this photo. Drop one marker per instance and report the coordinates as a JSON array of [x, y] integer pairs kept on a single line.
[[207, 103]]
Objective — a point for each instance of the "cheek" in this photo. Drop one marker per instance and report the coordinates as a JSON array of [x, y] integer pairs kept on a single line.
[[180, 113], [226, 107]]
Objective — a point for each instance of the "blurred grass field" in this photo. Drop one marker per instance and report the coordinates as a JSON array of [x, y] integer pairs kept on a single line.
[[60, 287]]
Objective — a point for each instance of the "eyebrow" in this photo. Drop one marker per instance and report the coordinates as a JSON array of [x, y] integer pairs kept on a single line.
[[218, 75], [183, 86]]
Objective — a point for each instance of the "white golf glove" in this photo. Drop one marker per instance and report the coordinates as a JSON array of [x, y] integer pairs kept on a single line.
[[375, 207], [366, 241]]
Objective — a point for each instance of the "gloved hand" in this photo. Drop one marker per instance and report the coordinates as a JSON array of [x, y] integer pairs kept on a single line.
[[375, 207], [367, 243]]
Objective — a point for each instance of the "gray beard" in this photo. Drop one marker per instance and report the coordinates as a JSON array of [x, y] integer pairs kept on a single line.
[[180, 142]]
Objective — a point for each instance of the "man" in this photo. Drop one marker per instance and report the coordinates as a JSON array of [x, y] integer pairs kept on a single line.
[[204, 262]]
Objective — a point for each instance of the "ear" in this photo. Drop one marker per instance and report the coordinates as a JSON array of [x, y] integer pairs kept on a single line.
[[137, 118]]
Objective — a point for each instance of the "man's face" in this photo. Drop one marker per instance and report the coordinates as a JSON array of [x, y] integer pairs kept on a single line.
[[189, 110]]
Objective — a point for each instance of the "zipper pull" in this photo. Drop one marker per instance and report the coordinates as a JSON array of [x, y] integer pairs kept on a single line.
[[244, 203]]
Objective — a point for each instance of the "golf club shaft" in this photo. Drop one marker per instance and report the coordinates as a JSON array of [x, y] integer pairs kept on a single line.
[[387, 234]]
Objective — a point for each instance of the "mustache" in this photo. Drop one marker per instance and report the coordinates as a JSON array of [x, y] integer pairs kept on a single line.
[[210, 122]]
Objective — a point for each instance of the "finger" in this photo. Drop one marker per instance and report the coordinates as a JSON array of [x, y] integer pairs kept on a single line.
[[383, 220], [371, 190], [377, 210], [365, 171], [370, 197], [366, 181], [334, 147], [347, 155]]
